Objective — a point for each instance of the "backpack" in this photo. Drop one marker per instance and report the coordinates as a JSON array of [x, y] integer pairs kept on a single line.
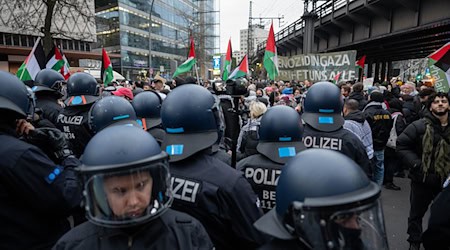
[[392, 141], [249, 142]]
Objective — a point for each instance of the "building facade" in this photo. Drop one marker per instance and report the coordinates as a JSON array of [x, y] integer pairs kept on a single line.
[[123, 28], [259, 34], [21, 22]]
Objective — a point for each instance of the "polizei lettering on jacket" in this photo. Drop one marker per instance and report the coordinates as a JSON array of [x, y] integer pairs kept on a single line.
[[263, 176], [185, 190], [323, 142], [74, 120]]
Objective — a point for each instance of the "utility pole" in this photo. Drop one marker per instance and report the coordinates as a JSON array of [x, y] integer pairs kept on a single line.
[[150, 24]]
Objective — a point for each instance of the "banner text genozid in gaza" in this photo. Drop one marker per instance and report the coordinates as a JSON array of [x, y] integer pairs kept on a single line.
[[319, 67]]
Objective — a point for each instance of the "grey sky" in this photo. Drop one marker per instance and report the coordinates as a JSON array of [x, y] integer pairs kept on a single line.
[[234, 16]]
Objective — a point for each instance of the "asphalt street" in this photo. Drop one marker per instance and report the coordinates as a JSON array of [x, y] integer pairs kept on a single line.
[[396, 209]]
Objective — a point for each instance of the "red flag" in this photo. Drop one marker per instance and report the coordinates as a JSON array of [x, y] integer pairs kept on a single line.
[[360, 63], [192, 49]]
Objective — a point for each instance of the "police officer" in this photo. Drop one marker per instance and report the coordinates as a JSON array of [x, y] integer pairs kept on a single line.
[[47, 92], [280, 138], [128, 195], [148, 110], [321, 208], [204, 186], [82, 92], [111, 110], [324, 124], [36, 194]]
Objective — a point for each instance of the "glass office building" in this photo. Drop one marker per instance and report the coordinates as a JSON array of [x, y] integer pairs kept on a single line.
[[123, 28]]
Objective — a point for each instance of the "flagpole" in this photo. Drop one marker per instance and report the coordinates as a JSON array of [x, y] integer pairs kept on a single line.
[[196, 73]]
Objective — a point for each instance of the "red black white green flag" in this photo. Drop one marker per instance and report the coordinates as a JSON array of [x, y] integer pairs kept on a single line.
[[107, 70]]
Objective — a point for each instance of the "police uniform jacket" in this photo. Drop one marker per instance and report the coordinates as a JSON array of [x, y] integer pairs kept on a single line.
[[172, 230], [340, 140], [74, 122], [380, 121], [220, 198], [49, 106], [36, 196], [262, 174], [438, 232], [277, 244]]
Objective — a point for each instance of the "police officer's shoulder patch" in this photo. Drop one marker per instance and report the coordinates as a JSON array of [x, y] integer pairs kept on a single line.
[[50, 178]]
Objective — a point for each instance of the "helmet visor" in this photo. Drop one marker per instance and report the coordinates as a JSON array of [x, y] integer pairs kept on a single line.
[[355, 228], [128, 197]]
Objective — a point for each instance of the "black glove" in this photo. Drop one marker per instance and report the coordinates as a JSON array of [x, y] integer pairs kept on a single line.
[[52, 141]]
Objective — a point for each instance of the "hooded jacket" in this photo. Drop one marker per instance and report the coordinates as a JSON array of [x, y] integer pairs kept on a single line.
[[380, 122], [360, 98], [356, 123]]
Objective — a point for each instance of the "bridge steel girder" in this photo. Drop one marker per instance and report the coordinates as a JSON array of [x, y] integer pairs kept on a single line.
[[343, 25], [377, 10], [328, 30], [322, 35], [410, 4], [359, 19]]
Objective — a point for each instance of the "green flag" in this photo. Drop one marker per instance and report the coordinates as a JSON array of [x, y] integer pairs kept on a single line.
[[189, 63]]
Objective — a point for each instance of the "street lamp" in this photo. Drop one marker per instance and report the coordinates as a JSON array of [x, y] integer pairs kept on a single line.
[[150, 36]]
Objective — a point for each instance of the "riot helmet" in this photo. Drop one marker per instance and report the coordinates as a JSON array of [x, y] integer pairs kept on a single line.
[[126, 178], [326, 201], [48, 80], [191, 117], [111, 110], [15, 100], [280, 134], [148, 109], [82, 89], [323, 106]]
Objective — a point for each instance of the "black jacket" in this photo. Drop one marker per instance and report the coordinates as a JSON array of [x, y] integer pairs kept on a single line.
[[220, 198], [74, 122], [49, 106], [411, 110], [409, 149], [172, 230], [340, 140], [380, 122], [34, 201], [400, 124], [360, 98], [438, 232], [262, 174]]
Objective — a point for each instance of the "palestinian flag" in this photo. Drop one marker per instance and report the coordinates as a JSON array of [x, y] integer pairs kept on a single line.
[[270, 55], [189, 63], [241, 70], [56, 60], [107, 70], [439, 64], [33, 64], [360, 63], [227, 64], [336, 78]]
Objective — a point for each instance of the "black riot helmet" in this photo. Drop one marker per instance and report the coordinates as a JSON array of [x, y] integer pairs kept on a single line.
[[323, 106], [148, 109], [126, 178], [280, 134], [191, 117], [111, 110], [326, 201], [82, 89], [15, 101], [48, 80]]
